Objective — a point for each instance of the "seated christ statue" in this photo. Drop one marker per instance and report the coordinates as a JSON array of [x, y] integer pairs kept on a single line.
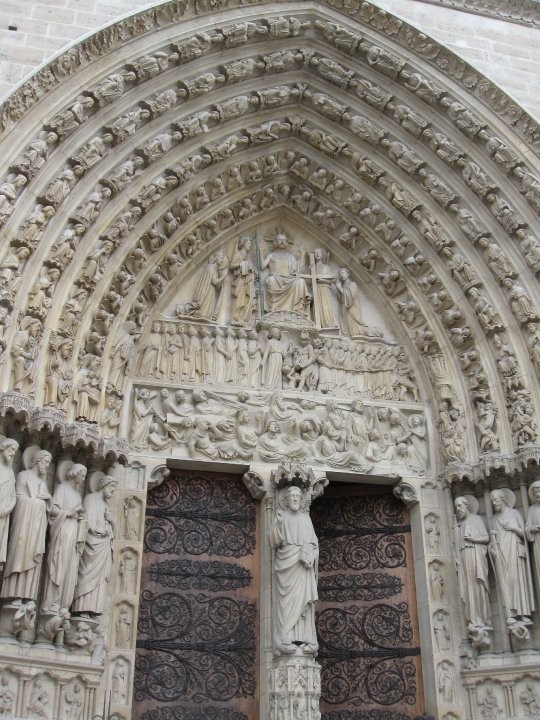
[[283, 288]]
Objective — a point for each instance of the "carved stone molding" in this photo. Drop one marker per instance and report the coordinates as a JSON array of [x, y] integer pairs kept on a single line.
[[522, 12], [50, 420], [523, 460]]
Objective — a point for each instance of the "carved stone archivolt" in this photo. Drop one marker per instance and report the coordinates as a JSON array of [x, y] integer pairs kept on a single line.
[[301, 237]]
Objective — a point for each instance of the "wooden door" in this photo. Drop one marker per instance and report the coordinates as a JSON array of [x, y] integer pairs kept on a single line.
[[366, 620], [198, 619]]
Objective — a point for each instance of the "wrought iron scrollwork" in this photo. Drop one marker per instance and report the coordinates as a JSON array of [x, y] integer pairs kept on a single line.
[[357, 631], [203, 713], [364, 627], [362, 587], [213, 575], [341, 516], [363, 551], [196, 646], [386, 681], [200, 516]]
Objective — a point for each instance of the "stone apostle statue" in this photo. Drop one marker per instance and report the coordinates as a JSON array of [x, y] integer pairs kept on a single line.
[[532, 528], [510, 557], [67, 531], [472, 545], [8, 448], [28, 527], [295, 576], [96, 560]]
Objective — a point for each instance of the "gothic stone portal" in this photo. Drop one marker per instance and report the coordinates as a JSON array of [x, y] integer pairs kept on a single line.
[[366, 620], [197, 638]]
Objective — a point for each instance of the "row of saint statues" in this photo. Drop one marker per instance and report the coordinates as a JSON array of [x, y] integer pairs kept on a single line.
[[55, 549], [297, 282], [507, 547], [275, 360]]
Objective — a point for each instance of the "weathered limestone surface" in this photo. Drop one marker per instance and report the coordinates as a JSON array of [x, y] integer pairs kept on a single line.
[[260, 237], [501, 43]]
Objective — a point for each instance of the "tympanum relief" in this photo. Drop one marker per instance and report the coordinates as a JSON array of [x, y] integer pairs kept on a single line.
[[292, 356]]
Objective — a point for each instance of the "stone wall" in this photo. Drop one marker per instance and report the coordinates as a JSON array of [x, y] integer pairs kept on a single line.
[[504, 51]]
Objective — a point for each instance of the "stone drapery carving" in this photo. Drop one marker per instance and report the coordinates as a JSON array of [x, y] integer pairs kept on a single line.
[[243, 283], [510, 557], [294, 675], [284, 289], [8, 498], [276, 359], [28, 527], [472, 546], [67, 531], [295, 575], [532, 528], [96, 558]]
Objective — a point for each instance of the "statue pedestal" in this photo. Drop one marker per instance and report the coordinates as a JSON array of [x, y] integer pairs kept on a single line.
[[295, 688]]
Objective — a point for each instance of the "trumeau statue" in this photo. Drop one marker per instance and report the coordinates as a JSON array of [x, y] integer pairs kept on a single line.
[[295, 575], [28, 528]]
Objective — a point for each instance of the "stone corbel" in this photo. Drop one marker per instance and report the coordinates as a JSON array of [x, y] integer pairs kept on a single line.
[[406, 492], [158, 475], [255, 484]]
